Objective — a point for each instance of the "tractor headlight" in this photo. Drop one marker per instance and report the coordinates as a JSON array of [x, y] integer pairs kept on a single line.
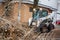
[[33, 23]]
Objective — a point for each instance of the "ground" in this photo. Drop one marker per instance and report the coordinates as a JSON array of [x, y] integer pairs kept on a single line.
[[21, 31]]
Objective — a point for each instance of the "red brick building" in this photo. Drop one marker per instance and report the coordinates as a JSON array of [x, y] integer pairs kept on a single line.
[[25, 12]]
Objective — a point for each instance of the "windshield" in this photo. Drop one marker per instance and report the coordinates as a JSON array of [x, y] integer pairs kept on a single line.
[[38, 14]]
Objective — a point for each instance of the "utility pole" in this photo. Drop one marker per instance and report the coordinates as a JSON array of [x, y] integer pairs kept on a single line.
[[35, 6], [19, 10], [35, 3]]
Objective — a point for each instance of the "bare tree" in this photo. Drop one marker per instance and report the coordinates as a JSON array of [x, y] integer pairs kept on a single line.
[[35, 3], [35, 6], [7, 7]]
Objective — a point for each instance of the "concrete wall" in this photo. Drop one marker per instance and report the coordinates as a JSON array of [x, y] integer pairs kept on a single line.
[[58, 6], [50, 3]]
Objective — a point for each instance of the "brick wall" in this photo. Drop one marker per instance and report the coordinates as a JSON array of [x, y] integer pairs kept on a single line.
[[25, 14]]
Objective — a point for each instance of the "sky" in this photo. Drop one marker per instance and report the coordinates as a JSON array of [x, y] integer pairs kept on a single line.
[[1, 0]]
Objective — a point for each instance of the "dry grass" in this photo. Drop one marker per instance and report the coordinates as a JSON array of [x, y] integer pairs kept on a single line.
[[20, 31]]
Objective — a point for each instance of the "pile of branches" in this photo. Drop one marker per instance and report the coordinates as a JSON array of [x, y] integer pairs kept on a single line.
[[8, 30]]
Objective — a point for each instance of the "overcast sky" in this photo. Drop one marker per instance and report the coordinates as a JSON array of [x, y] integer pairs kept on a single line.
[[1, 0]]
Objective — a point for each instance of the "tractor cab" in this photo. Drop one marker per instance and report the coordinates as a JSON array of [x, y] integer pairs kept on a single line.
[[39, 15]]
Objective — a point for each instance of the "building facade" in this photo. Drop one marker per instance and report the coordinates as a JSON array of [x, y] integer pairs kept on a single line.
[[26, 9]]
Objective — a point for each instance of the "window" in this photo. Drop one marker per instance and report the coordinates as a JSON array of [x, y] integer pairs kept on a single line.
[[40, 14], [30, 9], [44, 13]]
